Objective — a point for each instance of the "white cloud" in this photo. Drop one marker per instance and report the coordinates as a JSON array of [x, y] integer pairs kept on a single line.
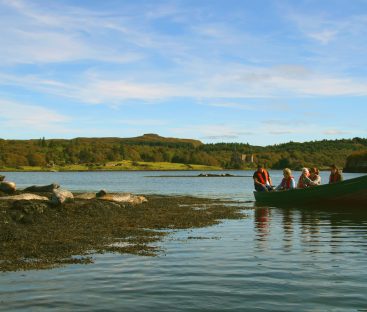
[[281, 132], [325, 36], [35, 34], [234, 105], [236, 85], [212, 132], [32, 34], [335, 132], [143, 122], [250, 107], [18, 116], [111, 91]]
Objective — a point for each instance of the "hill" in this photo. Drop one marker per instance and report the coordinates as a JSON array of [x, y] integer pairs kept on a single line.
[[96, 152]]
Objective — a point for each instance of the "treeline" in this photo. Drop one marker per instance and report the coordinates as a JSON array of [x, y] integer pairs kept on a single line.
[[151, 147]]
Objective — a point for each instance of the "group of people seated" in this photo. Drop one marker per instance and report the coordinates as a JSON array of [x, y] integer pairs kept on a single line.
[[308, 178]]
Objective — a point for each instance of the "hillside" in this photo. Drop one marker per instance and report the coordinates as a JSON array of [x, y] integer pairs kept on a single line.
[[150, 139], [97, 152]]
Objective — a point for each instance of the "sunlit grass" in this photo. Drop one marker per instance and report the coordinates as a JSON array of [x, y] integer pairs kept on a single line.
[[116, 166]]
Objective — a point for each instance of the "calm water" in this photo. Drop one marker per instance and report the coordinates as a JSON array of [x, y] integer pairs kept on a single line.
[[274, 260]]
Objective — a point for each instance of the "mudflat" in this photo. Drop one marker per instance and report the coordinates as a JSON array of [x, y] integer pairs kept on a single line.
[[35, 234]]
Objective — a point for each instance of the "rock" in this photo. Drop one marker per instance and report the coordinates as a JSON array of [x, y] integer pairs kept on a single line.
[[101, 193], [27, 211], [215, 175], [7, 187], [43, 188], [124, 198], [2, 178], [25, 196], [60, 196]]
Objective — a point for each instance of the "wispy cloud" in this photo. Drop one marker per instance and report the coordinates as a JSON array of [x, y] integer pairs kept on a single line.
[[215, 132], [281, 132], [250, 107], [324, 37], [179, 53], [29, 117], [234, 105], [143, 122], [335, 132], [31, 34]]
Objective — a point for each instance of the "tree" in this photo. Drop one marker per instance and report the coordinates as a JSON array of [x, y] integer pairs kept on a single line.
[[36, 159]]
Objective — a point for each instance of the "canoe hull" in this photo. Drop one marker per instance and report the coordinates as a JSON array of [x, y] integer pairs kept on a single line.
[[350, 192]]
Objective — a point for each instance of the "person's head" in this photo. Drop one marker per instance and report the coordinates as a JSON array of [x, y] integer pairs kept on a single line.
[[333, 168], [305, 172], [260, 168], [314, 171], [287, 172]]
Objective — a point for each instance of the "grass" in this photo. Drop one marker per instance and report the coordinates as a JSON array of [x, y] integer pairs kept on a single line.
[[117, 166]]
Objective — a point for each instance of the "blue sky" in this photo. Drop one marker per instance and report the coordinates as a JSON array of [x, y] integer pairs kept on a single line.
[[262, 72]]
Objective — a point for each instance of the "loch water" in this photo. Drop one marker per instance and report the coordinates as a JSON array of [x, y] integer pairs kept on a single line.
[[275, 259]]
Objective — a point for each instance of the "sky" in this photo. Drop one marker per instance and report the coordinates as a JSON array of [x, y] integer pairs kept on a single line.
[[260, 72]]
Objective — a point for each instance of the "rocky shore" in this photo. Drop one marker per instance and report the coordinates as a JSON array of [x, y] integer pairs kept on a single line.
[[356, 162], [38, 232]]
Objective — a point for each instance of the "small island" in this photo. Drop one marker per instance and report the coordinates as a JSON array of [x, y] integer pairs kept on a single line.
[[38, 232]]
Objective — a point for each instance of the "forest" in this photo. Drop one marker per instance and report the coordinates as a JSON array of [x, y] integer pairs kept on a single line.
[[154, 148]]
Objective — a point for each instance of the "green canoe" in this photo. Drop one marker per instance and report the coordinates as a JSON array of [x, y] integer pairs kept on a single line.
[[348, 192]]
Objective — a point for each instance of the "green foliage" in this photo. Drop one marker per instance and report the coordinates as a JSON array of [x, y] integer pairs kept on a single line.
[[152, 148]]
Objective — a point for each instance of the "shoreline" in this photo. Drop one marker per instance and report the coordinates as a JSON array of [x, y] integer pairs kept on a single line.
[[38, 235], [157, 170], [130, 170]]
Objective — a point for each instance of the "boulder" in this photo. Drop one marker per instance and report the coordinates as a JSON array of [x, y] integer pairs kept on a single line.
[[27, 211], [7, 187], [60, 196], [101, 193], [42, 188], [25, 196]]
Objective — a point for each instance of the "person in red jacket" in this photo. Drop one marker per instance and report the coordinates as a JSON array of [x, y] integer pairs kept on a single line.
[[304, 180], [262, 180], [335, 175], [288, 182]]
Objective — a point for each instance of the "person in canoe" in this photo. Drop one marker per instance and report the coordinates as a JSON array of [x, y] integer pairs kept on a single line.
[[262, 180], [315, 176], [288, 182], [335, 175], [304, 180]]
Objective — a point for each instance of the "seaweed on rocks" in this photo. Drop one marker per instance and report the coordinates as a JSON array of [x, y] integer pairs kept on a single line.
[[39, 235]]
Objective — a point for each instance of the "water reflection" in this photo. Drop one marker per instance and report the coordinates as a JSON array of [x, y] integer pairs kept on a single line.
[[262, 219], [288, 229], [313, 230]]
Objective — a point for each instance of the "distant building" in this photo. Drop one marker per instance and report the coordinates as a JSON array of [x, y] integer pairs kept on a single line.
[[247, 158]]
